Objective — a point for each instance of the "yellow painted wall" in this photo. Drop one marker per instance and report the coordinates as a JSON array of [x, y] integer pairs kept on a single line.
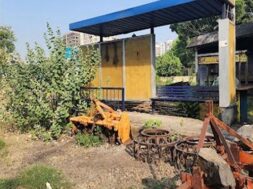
[[138, 68], [112, 72], [232, 62]]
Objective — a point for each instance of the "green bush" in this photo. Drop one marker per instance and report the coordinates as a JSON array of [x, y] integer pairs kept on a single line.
[[88, 140], [45, 90], [36, 177], [152, 123], [2, 144], [168, 65]]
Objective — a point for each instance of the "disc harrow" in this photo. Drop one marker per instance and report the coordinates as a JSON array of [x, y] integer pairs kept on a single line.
[[154, 145], [186, 154]]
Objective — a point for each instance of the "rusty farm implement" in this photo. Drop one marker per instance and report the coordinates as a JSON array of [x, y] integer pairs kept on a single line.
[[115, 125], [235, 157]]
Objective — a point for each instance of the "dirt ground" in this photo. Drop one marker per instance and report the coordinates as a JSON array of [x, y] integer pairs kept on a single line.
[[104, 167]]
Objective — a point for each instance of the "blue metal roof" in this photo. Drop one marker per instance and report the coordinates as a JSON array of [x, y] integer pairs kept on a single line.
[[158, 13]]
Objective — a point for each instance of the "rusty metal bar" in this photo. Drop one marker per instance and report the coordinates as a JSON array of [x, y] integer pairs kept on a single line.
[[203, 133], [231, 158], [232, 132]]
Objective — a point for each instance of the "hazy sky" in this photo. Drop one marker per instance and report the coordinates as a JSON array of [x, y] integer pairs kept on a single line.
[[28, 18]]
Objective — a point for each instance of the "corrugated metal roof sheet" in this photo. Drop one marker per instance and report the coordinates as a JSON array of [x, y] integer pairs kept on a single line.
[[242, 31], [150, 15]]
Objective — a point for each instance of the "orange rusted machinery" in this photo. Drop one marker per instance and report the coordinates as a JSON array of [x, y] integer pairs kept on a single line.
[[116, 124], [239, 157]]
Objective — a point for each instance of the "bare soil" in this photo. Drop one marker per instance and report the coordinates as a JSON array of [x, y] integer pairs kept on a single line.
[[104, 167]]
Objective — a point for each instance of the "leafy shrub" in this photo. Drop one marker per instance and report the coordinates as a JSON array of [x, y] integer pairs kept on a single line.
[[36, 177], [152, 123], [88, 140], [168, 65], [45, 90], [2, 144], [41, 133]]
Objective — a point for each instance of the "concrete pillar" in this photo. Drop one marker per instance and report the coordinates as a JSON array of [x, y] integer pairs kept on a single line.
[[153, 62], [227, 80], [196, 65], [100, 66], [124, 65], [227, 73]]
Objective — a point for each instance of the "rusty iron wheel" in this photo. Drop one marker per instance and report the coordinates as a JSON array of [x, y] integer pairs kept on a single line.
[[185, 153], [154, 145]]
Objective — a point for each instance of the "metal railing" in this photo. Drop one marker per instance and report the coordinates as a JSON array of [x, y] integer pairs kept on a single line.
[[189, 93], [116, 94]]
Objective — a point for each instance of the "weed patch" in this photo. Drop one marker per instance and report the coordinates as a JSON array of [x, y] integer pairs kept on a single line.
[[36, 177], [88, 140], [152, 123], [2, 144]]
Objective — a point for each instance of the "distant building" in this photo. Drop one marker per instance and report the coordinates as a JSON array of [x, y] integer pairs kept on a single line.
[[75, 39], [162, 48]]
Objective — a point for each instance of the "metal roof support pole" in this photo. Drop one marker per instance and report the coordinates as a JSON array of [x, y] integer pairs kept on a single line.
[[124, 66], [101, 39], [227, 79], [100, 66], [196, 65], [153, 65], [152, 30]]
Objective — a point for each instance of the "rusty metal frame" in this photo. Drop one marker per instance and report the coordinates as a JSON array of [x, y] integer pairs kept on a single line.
[[236, 157]]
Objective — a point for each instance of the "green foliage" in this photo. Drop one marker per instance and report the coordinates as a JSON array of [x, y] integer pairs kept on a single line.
[[4, 56], [9, 184], [164, 183], [152, 123], [41, 134], [185, 55], [45, 90], [36, 177], [168, 65], [7, 39], [244, 11], [88, 140], [175, 137], [2, 144], [3, 150], [187, 30]]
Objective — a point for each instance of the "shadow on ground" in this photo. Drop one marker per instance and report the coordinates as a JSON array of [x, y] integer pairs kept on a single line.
[[164, 183]]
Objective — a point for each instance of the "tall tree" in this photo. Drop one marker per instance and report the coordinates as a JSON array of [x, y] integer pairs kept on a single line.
[[7, 39], [187, 30]]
